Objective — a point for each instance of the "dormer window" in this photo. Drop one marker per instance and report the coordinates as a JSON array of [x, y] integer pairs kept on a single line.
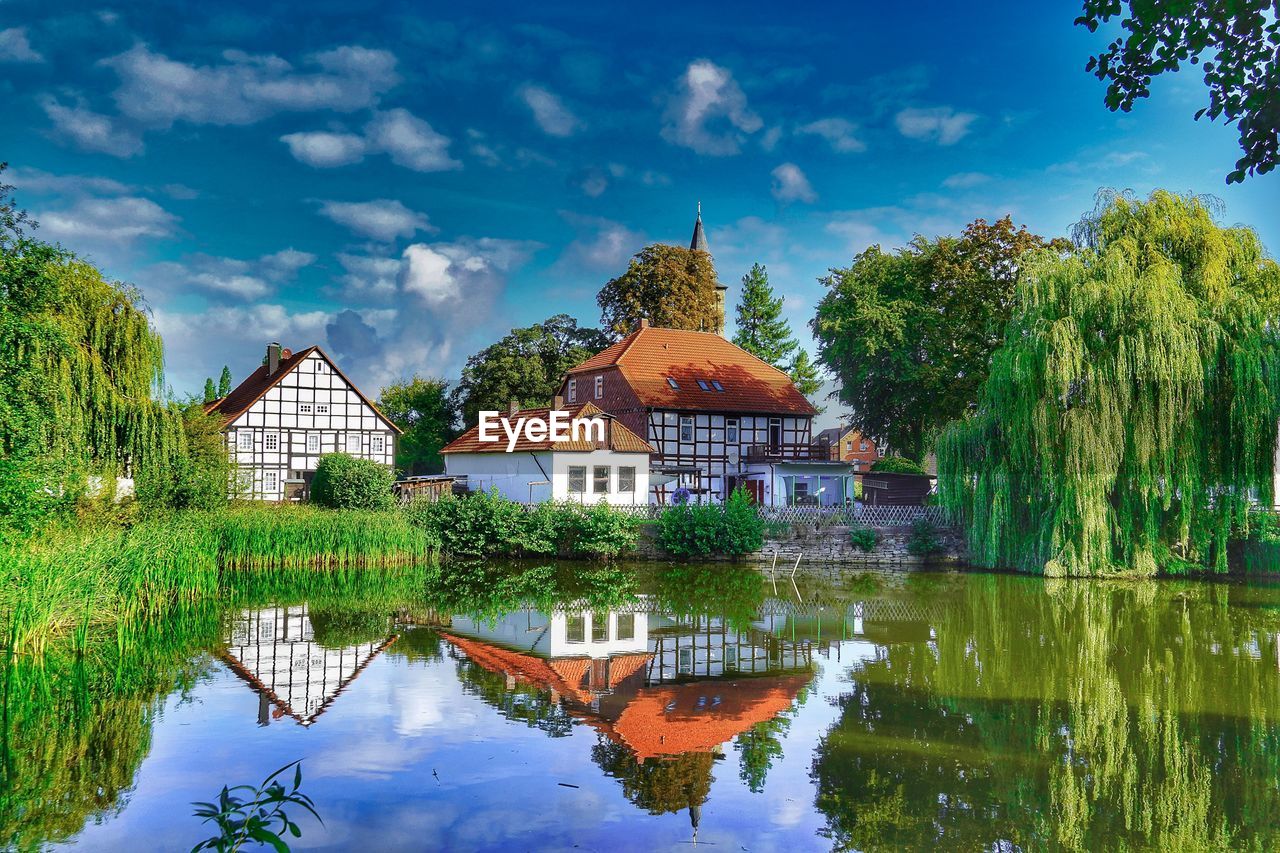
[[715, 383], [599, 387], [573, 390], [702, 383], [675, 386]]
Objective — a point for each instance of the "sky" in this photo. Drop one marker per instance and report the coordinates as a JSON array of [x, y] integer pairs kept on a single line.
[[402, 183]]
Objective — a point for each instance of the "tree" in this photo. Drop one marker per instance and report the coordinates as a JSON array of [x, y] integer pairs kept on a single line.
[[804, 374], [762, 331], [210, 392], [526, 366], [348, 482], [670, 286], [12, 218], [196, 477], [1243, 72], [425, 411], [1132, 408], [910, 334], [224, 382]]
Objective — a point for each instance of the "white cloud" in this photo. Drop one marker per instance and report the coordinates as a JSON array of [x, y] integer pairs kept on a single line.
[[840, 134], [368, 276], [602, 245], [120, 220], [708, 112], [382, 219], [38, 181], [790, 184], [942, 125], [245, 88], [428, 274], [410, 142], [549, 111], [14, 46], [965, 180], [91, 131], [232, 278], [325, 150]]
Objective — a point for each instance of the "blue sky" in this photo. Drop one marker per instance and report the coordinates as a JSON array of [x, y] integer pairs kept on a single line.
[[402, 183]]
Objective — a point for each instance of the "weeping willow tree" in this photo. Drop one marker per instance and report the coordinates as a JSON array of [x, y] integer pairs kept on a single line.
[[81, 368], [1131, 412]]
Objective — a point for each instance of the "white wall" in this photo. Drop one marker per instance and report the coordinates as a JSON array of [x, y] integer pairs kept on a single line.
[[613, 460], [512, 473]]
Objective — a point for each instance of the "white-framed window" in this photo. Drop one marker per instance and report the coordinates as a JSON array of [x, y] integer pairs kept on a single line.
[[313, 442], [848, 446], [686, 428], [599, 627], [626, 626], [322, 408], [354, 444], [304, 408], [730, 657], [626, 478], [577, 479], [575, 629], [599, 387], [321, 367], [270, 482], [244, 481], [675, 386], [244, 440], [378, 444], [573, 390], [731, 430], [271, 442], [863, 447], [600, 479], [684, 661]]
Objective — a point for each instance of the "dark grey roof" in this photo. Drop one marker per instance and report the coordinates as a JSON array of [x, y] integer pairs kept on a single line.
[[699, 241]]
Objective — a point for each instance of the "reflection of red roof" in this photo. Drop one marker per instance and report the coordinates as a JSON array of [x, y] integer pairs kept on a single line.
[[527, 668], [622, 667], [618, 436], [649, 355]]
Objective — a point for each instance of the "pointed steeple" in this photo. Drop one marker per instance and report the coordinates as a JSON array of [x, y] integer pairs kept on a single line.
[[699, 244], [699, 241]]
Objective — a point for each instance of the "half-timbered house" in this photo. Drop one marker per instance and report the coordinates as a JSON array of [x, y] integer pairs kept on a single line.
[[717, 417], [288, 413]]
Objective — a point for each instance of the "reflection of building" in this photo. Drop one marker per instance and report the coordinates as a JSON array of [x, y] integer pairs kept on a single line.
[[275, 651]]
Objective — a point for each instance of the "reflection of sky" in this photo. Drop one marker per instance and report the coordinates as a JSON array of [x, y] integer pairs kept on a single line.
[[404, 759]]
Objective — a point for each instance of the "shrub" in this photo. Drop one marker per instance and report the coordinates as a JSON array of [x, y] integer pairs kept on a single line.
[[197, 477], [864, 538], [699, 530], [34, 492], [925, 539], [743, 528], [896, 465], [345, 482], [601, 530]]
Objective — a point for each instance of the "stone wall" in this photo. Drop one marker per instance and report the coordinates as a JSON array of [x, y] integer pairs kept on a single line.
[[830, 544]]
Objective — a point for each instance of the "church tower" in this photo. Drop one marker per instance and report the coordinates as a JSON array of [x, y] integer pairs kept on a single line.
[[699, 244]]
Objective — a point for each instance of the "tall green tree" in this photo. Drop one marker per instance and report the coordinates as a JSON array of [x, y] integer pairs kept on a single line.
[[224, 382], [424, 409], [670, 286], [762, 330], [1132, 408], [210, 390], [910, 334], [526, 366], [1240, 39], [804, 374]]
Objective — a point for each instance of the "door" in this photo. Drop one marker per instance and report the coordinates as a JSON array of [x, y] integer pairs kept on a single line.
[[755, 491], [775, 434]]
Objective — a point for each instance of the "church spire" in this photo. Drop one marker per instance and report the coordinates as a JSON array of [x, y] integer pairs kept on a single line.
[[699, 244], [699, 241]]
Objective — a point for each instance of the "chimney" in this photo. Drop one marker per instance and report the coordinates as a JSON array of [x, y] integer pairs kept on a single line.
[[643, 324], [557, 402], [513, 407], [273, 358]]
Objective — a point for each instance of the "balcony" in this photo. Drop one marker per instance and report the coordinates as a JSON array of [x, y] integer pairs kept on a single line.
[[792, 453]]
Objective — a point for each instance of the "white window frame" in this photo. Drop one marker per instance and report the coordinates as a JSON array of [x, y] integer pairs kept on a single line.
[[573, 390], [244, 440], [731, 434], [595, 479], [359, 440], [626, 473], [378, 444], [599, 387], [321, 367], [313, 442], [577, 471], [305, 409], [270, 482], [864, 447], [686, 420], [322, 408], [269, 439]]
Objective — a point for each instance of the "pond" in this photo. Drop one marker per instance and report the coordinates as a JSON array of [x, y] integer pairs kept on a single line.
[[499, 708]]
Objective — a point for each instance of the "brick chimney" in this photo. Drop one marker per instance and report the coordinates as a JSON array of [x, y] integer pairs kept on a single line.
[[513, 407], [643, 324], [557, 402], [273, 358]]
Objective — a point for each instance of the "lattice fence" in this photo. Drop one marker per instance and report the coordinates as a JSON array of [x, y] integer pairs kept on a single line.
[[869, 516]]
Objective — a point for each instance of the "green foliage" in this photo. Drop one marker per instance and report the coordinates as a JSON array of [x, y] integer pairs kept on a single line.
[[762, 330], [424, 410], [1133, 406], [245, 814], [804, 374], [601, 530], [343, 481], [700, 530], [224, 381], [670, 286], [526, 366], [198, 475], [910, 334], [864, 538], [34, 492], [1242, 74], [210, 390], [896, 465], [925, 539]]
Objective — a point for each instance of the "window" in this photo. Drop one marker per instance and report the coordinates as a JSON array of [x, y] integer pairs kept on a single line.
[[313, 442], [244, 440], [599, 627], [321, 367], [848, 446], [626, 626], [271, 442], [731, 430], [684, 661], [702, 383], [863, 447], [577, 479], [354, 444], [715, 383], [730, 657], [322, 409], [600, 480], [378, 444], [573, 390], [675, 386], [686, 429], [304, 408], [599, 387], [270, 482], [575, 629], [627, 478]]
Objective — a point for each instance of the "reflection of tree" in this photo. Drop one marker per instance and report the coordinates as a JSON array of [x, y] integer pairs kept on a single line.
[[657, 785], [1069, 714], [734, 593], [522, 703], [760, 745], [340, 629]]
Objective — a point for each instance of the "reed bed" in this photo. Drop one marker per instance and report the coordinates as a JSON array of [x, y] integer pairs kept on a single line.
[[310, 537]]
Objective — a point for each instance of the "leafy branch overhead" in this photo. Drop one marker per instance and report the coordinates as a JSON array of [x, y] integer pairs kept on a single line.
[[259, 817], [1241, 39]]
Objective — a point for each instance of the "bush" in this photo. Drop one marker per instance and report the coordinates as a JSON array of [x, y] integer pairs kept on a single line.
[[864, 538], [601, 530], [198, 476], [896, 465], [32, 493], [345, 482], [925, 539], [699, 530]]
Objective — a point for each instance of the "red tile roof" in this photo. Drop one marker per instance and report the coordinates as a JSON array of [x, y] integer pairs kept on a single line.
[[619, 437], [648, 356], [258, 383]]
